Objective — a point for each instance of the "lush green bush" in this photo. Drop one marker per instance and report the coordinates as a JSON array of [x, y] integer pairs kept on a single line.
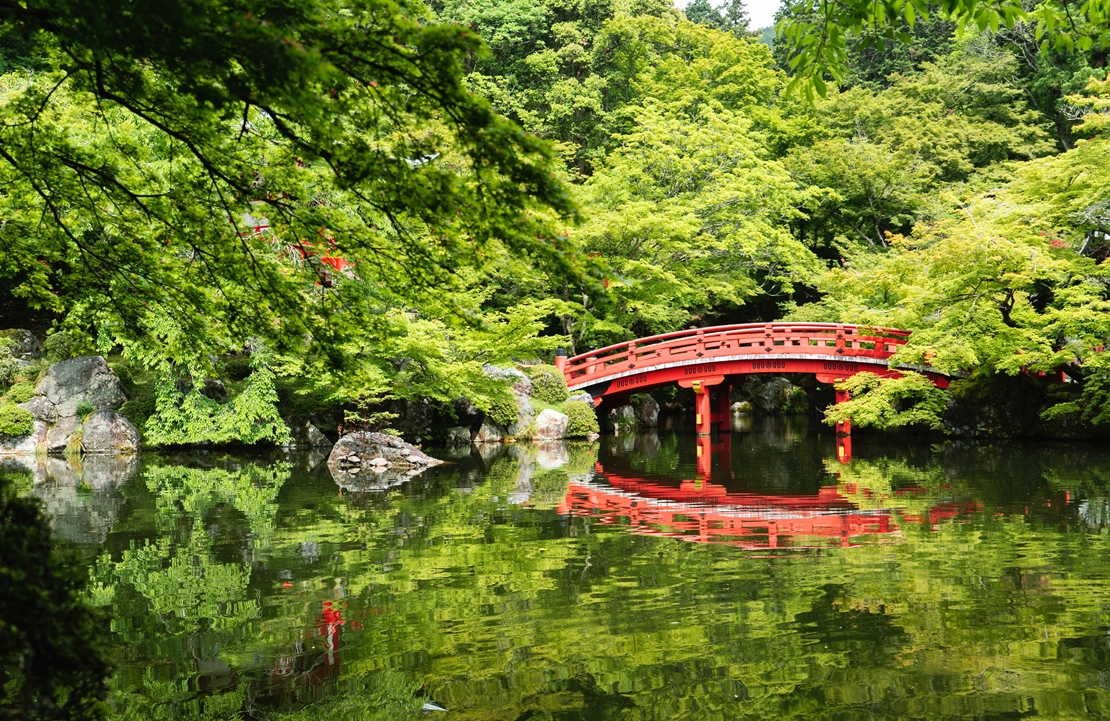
[[139, 409], [798, 402], [548, 384], [20, 392], [187, 418], [501, 408], [58, 347], [581, 419], [15, 421], [8, 365], [85, 409]]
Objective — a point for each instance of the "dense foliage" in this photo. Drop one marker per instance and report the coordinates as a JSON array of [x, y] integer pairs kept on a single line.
[[401, 194]]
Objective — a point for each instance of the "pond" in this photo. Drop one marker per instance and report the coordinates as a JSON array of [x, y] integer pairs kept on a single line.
[[773, 576]]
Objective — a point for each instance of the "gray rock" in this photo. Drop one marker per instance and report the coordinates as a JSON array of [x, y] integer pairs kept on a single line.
[[25, 445], [458, 436], [770, 396], [368, 445], [741, 408], [27, 347], [522, 384], [213, 388], [582, 396], [646, 412], [304, 435], [81, 380], [551, 425], [108, 432], [489, 433], [42, 409], [525, 414], [59, 438]]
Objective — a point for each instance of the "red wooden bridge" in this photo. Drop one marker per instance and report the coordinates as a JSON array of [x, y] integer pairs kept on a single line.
[[712, 360]]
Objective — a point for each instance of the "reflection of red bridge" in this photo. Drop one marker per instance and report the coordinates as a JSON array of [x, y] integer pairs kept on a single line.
[[715, 358], [705, 512]]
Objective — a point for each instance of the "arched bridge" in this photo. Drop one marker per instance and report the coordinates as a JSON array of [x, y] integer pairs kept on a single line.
[[711, 360]]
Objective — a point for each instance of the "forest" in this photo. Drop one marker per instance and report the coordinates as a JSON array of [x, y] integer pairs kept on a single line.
[[391, 196]]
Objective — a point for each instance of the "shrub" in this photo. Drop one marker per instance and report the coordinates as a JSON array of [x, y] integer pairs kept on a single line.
[[797, 403], [8, 364], [138, 409], [15, 421], [548, 384], [581, 419], [501, 409], [20, 392], [58, 347], [85, 409]]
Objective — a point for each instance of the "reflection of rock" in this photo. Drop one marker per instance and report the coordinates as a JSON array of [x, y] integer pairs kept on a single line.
[[647, 444], [367, 480], [526, 468], [489, 452], [83, 500], [551, 425], [742, 424], [107, 431], [551, 454]]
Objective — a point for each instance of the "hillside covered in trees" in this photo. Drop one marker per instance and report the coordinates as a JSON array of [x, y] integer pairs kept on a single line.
[[352, 232]]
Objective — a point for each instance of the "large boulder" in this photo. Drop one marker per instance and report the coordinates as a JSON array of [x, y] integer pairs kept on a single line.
[[26, 345], [377, 450], [63, 435], [770, 396], [522, 384], [304, 435], [107, 431], [42, 409], [458, 436], [81, 380], [582, 396], [551, 425], [646, 410], [525, 414], [489, 432]]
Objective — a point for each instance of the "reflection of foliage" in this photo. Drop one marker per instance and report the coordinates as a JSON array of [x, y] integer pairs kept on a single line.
[[377, 696], [51, 664], [194, 491]]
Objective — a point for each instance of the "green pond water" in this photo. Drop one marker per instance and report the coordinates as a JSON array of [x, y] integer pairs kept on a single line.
[[604, 581]]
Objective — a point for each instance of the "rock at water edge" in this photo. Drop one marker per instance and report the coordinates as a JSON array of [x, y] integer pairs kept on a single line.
[[81, 380], [551, 425], [108, 431]]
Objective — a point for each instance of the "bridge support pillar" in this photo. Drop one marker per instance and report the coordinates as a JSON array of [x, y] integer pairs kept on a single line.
[[724, 409], [703, 409], [843, 428]]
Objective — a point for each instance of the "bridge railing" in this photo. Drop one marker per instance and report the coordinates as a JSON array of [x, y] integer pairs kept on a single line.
[[817, 339]]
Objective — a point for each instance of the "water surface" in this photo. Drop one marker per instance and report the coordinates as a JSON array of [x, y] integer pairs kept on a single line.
[[619, 580]]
